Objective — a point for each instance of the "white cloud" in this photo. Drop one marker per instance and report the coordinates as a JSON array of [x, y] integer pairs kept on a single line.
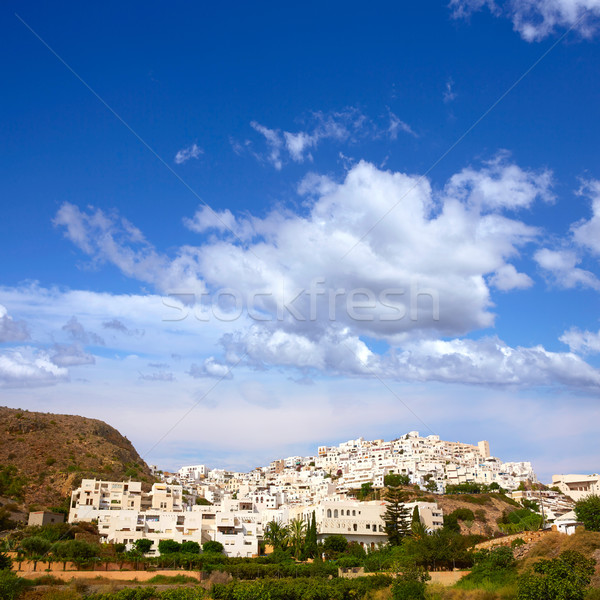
[[274, 141], [501, 185], [186, 154], [211, 368], [397, 125], [586, 233], [584, 342], [449, 93], [562, 266], [341, 126], [11, 331], [507, 278], [112, 239], [206, 218], [536, 19], [423, 272], [27, 367]]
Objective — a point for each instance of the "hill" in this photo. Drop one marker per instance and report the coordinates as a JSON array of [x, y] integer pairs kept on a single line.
[[43, 456]]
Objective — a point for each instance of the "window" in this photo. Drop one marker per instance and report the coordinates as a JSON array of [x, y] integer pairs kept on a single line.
[[353, 513], [335, 513], [329, 513], [355, 527], [368, 526]]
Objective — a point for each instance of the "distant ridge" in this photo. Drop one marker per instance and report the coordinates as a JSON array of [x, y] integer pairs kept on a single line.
[[44, 455]]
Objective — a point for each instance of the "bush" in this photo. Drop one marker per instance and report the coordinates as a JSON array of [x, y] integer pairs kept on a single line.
[[142, 545], [562, 578], [35, 546], [75, 550], [495, 567], [588, 512], [410, 584], [5, 561], [191, 547], [11, 586], [168, 546], [212, 546]]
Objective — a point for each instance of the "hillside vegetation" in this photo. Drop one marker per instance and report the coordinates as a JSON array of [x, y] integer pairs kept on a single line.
[[43, 456]]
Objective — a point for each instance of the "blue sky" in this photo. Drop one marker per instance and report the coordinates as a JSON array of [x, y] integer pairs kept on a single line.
[[423, 178]]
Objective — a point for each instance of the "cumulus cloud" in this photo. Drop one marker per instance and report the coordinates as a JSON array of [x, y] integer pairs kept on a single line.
[[211, 367], [421, 268], [501, 184], [11, 331], [561, 265], [508, 278], [185, 154], [27, 367], [584, 342], [536, 19], [586, 233]]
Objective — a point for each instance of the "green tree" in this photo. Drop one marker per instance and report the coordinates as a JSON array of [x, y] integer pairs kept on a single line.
[[297, 529], [191, 547], [396, 480], [365, 490], [5, 562], [276, 535], [168, 546], [11, 586], [311, 537], [396, 517], [562, 578], [410, 583], [334, 545], [75, 550], [143, 545], [212, 546], [35, 546], [588, 512], [431, 486]]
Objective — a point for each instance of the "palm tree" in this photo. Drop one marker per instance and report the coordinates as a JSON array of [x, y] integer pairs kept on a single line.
[[277, 535], [297, 530]]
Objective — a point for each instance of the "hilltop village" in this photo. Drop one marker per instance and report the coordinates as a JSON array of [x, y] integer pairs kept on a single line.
[[201, 504]]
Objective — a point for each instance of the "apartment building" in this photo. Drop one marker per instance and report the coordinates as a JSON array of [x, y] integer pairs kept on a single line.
[[577, 487]]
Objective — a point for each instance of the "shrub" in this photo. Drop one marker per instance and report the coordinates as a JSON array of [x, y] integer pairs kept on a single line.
[[35, 546], [11, 586], [5, 561], [143, 545], [562, 578], [588, 512], [212, 546], [191, 547], [168, 546]]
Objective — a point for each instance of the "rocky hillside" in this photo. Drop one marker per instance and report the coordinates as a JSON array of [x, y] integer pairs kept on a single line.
[[43, 456]]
